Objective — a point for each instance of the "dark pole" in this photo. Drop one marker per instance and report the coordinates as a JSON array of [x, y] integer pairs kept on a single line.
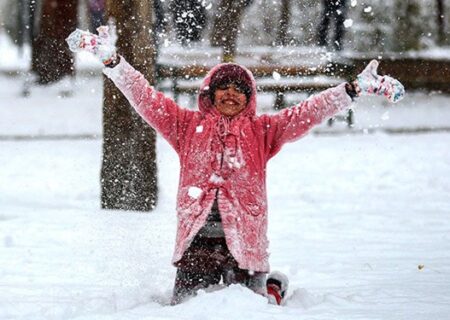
[[440, 21], [21, 5]]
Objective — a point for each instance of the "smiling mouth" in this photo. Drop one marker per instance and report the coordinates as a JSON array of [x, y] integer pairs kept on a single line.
[[230, 102]]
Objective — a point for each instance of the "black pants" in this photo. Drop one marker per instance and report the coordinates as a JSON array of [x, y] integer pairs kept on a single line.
[[208, 261], [334, 10]]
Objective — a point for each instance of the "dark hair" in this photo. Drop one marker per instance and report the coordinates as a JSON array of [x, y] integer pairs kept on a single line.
[[230, 74]]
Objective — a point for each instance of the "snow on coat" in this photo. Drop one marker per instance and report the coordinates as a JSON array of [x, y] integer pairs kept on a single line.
[[224, 157]]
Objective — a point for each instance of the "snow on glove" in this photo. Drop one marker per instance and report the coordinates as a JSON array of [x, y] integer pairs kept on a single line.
[[370, 82], [100, 45]]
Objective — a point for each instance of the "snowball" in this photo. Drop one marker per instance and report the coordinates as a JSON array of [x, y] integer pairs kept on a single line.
[[354, 3], [368, 9], [348, 23], [276, 76], [194, 192], [199, 129]]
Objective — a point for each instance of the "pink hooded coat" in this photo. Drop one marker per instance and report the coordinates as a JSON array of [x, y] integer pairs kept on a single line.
[[224, 157]]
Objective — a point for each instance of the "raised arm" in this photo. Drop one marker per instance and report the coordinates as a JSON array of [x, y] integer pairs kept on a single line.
[[160, 112], [290, 124]]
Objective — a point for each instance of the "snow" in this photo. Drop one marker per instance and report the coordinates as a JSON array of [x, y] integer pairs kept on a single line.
[[215, 178], [358, 222], [276, 76], [348, 23], [194, 192], [352, 217]]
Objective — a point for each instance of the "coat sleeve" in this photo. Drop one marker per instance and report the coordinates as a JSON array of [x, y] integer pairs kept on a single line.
[[292, 123], [160, 112]]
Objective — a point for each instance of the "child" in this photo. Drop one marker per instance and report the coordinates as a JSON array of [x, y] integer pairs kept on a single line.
[[223, 149]]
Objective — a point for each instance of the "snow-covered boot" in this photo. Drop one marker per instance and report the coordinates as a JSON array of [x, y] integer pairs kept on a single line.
[[277, 284]]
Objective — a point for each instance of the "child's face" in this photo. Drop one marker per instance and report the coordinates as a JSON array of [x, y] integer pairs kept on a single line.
[[229, 100]]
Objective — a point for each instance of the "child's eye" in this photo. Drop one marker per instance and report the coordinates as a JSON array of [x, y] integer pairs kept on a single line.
[[223, 86], [239, 89]]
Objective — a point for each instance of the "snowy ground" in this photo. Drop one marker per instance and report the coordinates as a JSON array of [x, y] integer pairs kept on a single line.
[[352, 217]]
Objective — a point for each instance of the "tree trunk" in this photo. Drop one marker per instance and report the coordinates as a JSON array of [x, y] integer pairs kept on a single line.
[[128, 174], [408, 27], [440, 22], [226, 26], [51, 57], [282, 35]]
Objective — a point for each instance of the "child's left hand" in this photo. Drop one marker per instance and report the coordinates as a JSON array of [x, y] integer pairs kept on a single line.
[[369, 82]]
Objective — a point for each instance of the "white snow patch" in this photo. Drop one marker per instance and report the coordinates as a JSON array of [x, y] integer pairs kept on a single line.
[[166, 43], [276, 76], [348, 23], [368, 9], [354, 3], [216, 179], [365, 268], [194, 192]]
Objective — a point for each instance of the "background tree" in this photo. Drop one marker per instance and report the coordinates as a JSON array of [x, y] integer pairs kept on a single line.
[[128, 174], [408, 29], [189, 17], [283, 27], [51, 57], [227, 21]]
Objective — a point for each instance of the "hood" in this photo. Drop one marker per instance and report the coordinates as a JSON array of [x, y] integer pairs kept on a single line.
[[205, 104]]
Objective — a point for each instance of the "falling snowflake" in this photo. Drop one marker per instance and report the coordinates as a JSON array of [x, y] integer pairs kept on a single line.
[[348, 23], [276, 76]]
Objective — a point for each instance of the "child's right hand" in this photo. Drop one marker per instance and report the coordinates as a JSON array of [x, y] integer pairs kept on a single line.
[[100, 45]]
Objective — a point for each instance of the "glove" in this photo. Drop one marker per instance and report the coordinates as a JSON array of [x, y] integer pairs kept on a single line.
[[100, 45], [369, 82]]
